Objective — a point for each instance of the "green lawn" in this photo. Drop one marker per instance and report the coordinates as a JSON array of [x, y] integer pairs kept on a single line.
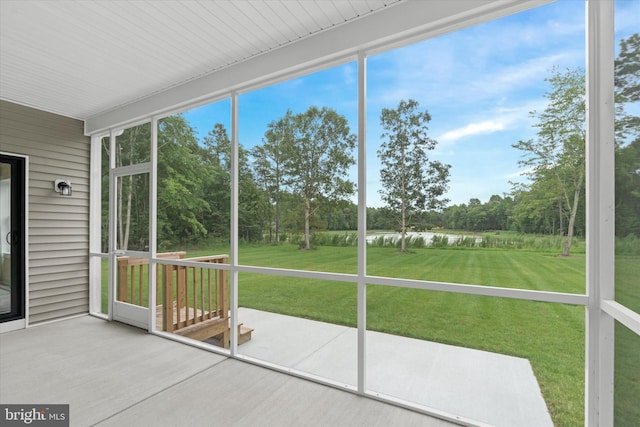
[[627, 349], [550, 336]]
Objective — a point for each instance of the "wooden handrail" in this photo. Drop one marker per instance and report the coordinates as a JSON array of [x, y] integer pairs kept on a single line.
[[127, 275], [180, 304], [191, 301]]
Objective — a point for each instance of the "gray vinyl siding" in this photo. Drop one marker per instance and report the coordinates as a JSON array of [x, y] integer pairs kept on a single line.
[[58, 226]]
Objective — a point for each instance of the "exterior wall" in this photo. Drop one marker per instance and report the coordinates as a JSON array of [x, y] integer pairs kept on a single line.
[[58, 228]]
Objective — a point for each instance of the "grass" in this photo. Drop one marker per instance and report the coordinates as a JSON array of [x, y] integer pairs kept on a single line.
[[550, 336], [627, 377], [627, 347]]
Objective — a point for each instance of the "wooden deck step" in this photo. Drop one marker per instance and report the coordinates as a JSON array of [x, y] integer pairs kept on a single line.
[[188, 316], [244, 333], [203, 330]]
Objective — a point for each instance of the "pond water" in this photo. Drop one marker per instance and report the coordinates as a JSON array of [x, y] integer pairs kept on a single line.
[[426, 235]]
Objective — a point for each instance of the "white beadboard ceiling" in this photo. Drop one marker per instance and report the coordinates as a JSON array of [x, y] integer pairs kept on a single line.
[[83, 59], [79, 58]]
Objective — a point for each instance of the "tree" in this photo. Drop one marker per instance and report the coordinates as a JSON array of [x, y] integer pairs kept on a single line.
[[251, 200], [182, 203], [411, 182], [627, 85], [317, 158], [538, 207], [269, 162], [557, 156], [628, 189]]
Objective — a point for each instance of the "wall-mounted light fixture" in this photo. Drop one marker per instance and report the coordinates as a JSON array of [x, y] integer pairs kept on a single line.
[[62, 186]]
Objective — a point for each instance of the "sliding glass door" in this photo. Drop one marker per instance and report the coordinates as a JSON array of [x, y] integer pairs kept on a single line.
[[12, 234]]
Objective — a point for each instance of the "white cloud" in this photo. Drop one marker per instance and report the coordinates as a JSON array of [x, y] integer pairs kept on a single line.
[[520, 173], [520, 75], [509, 57], [488, 126]]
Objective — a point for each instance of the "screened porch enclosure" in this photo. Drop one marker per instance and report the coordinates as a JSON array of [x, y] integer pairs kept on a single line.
[[344, 284], [235, 169]]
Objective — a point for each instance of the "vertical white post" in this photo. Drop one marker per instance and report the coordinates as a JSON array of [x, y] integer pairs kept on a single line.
[[362, 222], [95, 226], [112, 224], [600, 163], [233, 274], [153, 225]]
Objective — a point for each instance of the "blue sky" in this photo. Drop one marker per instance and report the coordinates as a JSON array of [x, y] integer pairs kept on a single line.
[[479, 86]]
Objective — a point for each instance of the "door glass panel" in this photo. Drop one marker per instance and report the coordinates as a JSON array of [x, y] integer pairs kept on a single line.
[[12, 226], [5, 234], [132, 215], [132, 228], [133, 146]]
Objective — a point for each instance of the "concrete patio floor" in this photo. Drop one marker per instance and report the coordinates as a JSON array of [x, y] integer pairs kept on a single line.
[[488, 387], [113, 374], [116, 375]]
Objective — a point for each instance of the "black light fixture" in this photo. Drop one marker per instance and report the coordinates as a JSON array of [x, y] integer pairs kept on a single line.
[[62, 186]]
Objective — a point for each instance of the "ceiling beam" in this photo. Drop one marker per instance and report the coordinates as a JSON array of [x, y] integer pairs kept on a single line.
[[397, 25]]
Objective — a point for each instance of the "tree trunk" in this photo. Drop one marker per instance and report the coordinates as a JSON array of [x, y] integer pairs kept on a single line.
[[125, 243], [403, 226], [560, 216], [403, 229], [572, 218], [278, 219], [307, 216]]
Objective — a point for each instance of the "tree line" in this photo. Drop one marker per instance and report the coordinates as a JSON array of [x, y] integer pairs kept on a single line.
[[296, 180]]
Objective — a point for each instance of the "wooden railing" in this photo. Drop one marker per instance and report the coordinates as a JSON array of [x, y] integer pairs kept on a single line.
[[133, 276], [192, 301], [194, 294]]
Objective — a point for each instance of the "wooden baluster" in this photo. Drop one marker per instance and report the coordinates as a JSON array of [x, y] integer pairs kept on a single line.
[[225, 304], [225, 292], [158, 287], [180, 294], [218, 286], [195, 295], [131, 284], [167, 303], [122, 279], [209, 294], [140, 285], [202, 294]]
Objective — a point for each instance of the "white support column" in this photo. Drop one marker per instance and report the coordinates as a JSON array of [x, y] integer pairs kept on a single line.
[[233, 274], [95, 226], [112, 225], [153, 224], [362, 222], [600, 163]]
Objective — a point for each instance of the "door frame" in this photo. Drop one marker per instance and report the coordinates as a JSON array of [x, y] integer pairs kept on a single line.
[[123, 312], [19, 319]]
